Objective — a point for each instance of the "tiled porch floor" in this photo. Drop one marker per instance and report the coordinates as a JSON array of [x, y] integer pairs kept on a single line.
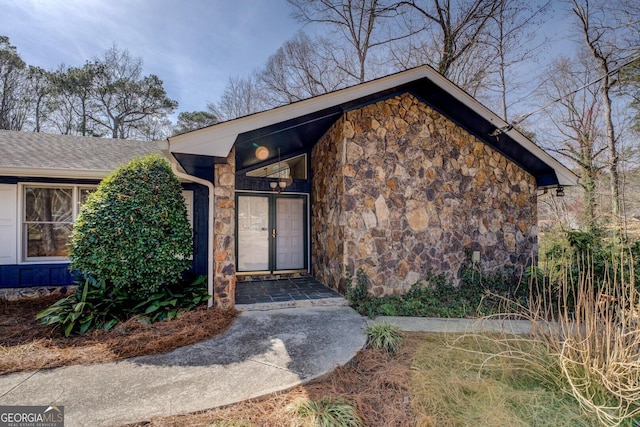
[[283, 291]]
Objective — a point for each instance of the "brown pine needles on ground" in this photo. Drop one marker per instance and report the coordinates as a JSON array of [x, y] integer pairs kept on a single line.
[[26, 345], [376, 383]]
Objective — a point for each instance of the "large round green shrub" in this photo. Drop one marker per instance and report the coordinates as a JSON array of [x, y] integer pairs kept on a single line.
[[133, 230]]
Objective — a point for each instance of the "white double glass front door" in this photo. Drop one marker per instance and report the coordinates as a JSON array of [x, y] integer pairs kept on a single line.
[[271, 233]]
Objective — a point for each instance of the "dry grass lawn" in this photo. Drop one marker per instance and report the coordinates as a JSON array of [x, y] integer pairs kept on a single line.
[[27, 345]]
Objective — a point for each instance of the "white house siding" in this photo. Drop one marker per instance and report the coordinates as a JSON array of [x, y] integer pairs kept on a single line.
[[8, 223]]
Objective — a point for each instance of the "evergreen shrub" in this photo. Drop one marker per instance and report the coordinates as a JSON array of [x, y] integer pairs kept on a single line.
[[133, 231]]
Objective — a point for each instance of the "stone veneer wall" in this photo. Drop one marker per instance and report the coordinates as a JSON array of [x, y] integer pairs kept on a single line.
[[400, 190], [327, 220], [224, 284]]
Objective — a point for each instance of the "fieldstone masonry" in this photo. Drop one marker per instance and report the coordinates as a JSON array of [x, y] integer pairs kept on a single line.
[[224, 283], [400, 190]]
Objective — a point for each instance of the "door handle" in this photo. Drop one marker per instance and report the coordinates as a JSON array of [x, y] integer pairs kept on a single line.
[[273, 233]]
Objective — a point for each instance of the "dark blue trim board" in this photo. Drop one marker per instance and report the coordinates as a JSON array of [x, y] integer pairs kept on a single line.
[[28, 275], [57, 274]]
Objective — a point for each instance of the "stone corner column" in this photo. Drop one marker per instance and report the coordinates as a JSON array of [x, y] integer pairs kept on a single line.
[[224, 262]]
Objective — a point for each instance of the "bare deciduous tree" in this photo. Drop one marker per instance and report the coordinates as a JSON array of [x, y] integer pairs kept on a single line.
[[602, 54], [360, 27], [509, 44], [576, 117], [242, 96], [454, 29], [300, 69], [610, 34], [630, 80]]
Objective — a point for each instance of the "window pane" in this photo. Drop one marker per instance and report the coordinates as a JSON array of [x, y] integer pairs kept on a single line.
[[295, 168], [83, 195], [49, 204], [44, 240]]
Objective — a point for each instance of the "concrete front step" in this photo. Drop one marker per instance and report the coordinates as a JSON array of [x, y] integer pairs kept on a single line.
[[335, 301]]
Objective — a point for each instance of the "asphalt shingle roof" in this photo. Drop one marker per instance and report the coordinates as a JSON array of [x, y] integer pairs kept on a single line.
[[68, 152]]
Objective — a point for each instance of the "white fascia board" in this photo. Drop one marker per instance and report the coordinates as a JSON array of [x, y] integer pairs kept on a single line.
[[564, 175], [53, 173], [217, 140]]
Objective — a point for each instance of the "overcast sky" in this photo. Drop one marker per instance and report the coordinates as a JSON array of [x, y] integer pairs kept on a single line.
[[194, 46]]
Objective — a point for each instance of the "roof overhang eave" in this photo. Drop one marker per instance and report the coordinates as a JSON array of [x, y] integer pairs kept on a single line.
[[564, 175], [217, 140], [54, 173]]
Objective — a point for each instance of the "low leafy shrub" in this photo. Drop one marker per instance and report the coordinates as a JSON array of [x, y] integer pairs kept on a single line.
[[358, 294], [385, 337], [95, 305], [169, 302], [328, 412], [90, 306]]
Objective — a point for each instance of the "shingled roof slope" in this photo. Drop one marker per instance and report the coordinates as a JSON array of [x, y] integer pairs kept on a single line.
[[34, 150]]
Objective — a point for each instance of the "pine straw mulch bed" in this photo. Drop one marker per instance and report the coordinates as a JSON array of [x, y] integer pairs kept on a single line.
[[376, 383], [26, 345]]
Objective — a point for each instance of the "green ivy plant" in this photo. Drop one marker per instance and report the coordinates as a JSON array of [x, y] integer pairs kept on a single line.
[[133, 231], [478, 294]]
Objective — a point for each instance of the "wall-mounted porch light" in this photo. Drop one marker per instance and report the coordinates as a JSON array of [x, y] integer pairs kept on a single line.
[[560, 191], [282, 182]]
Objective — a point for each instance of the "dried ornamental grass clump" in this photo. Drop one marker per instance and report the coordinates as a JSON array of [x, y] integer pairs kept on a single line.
[[585, 335]]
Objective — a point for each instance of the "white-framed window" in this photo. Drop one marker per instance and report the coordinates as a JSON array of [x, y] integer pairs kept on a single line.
[[47, 215], [48, 212]]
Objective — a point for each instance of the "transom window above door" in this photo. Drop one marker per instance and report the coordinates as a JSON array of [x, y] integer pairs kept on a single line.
[[294, 167]]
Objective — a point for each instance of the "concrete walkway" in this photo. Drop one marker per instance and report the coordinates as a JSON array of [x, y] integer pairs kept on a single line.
[[457, 326], [261, 353]]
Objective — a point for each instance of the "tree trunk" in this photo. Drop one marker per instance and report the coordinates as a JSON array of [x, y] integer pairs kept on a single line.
[[614, 157]]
